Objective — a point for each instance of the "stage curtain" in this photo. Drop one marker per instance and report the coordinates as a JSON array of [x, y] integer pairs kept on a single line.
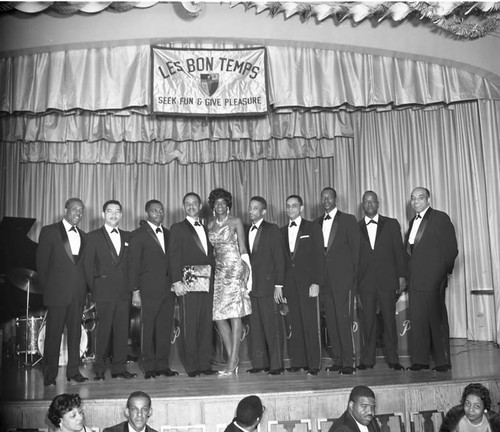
[[443, 150], [114, 78]]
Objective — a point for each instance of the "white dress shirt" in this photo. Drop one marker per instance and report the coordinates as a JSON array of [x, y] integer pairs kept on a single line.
[[200, 231], [115, 237], [327, 226], [292, 233], [253, 233], [416, 226], [159, 234], [372, 229], [74, 237]]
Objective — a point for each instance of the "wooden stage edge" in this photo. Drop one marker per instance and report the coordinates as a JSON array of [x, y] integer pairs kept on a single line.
[[207, 404]]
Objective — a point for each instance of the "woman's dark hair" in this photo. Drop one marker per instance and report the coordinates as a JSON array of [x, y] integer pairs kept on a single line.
[[218, 194], [62, 404], [480, 391]]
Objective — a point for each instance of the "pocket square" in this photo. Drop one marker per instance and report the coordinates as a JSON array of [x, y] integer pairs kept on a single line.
[[305, 236], [125, 244]]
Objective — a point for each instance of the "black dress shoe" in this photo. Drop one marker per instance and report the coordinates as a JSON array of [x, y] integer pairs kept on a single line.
[[209, 372], [149, 374], [49, 382], [193, 374], [99, 376], [362, 366], [442, 368], [276, 371], [396, 366], [167, 372], [125, 375], [333, 368], [295, 369], [257, 370], [347, 370], [313, 371], [417, 367], [78, 378]]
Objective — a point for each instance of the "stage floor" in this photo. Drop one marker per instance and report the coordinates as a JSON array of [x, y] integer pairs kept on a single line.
[[472, 361]]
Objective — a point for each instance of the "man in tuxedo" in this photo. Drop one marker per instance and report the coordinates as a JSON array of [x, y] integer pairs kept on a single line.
[[303, 246], [150, 281], [431, 245], [137, 412], [190, 246], [341, 254], [59, 262], [268, 273], [381, 279], [360, 413], [106, 268]]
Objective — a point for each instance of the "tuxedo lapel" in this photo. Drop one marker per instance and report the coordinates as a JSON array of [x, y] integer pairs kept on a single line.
[[380, 227], [364, 230], [297, 240], [65, 239], [257, 237], [421, 228], [195, 236], [333, 231], [153, 235], [287, 242], [111, 246]]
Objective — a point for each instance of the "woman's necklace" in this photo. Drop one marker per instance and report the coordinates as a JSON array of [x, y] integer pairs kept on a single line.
[[476, 425], [222, 222]]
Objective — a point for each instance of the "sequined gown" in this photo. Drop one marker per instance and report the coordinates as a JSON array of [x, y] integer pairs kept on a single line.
[[231, 299]]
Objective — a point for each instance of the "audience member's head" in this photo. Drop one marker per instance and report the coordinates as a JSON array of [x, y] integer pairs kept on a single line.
[[362, 404], [475, 400], [65, 412], [138, 410], [249, 412]]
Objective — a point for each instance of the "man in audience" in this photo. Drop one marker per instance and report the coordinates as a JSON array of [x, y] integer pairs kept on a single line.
[[59, 262], [137, 412], [341, 253], [248, 415], [360, 413], [150, 282], [268, 272], [381, 279], [303, 245]]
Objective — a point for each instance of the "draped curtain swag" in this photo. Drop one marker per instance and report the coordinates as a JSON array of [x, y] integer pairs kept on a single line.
[[77, 123]]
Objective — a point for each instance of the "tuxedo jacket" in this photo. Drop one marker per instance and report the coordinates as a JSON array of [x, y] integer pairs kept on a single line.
[[123, 427], [186, 249], [148, 264], [267, 259], [385, 264], [342, 254], [106, 271], [305, 263], [61, 276], [434, 251], [346, 423]]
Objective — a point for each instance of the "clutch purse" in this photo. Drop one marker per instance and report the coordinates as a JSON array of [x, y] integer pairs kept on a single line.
[[197, 277]]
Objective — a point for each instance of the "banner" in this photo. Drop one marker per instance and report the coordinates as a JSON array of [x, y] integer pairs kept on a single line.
[[209, 82]]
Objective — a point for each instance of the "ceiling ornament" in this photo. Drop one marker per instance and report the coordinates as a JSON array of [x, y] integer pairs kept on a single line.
[[461, 20]]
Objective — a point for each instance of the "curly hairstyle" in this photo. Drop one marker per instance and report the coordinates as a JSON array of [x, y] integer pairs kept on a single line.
[[218, 194], [480, 391], [61, 405]]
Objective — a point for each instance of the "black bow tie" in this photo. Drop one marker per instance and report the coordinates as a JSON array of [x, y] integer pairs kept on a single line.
[[418, 216], [73, 228], [327, 217], [254, 227], [114, 230], [292, 224], [158, 230], [372, 221], [197, 223]]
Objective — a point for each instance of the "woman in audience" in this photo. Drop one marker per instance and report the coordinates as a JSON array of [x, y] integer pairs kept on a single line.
[[473, 414], [65, 413]]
